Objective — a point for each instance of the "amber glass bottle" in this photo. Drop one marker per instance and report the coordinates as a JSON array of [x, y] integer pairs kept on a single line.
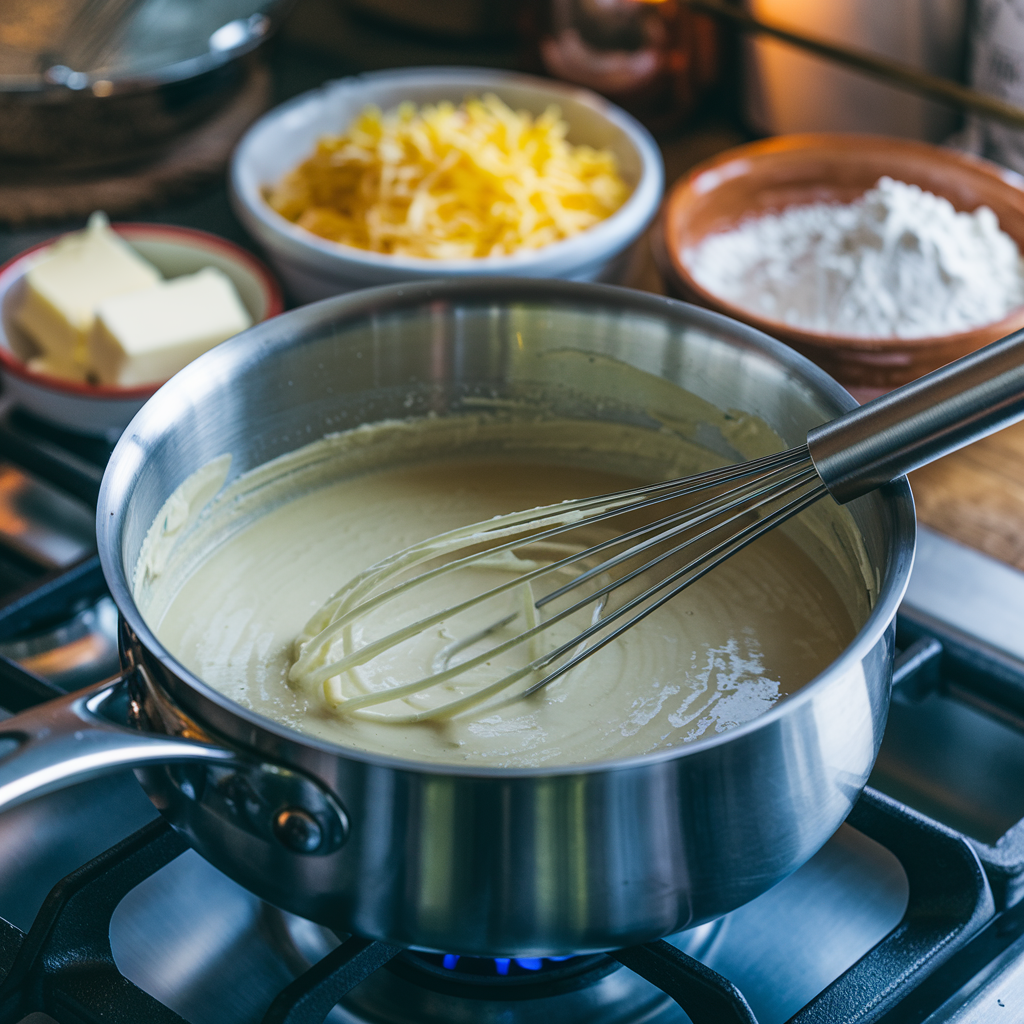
[[656, 58]]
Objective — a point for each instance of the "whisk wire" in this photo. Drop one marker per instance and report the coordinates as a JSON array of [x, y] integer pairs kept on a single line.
[[670, 526], [768, 523], [705, 563], [706, 511], [616, 504], [847, 458], [762, 489], [723, 551]]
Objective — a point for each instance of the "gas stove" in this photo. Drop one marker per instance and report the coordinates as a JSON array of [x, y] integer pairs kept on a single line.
[[912, 912]]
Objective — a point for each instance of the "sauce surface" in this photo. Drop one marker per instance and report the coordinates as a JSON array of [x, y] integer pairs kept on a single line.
[[230, 597]]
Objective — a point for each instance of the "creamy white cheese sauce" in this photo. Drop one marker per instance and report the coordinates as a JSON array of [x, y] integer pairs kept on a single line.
[[229, 596]]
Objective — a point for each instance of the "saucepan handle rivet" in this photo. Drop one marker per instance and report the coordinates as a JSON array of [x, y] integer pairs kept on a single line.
[[297, 829]]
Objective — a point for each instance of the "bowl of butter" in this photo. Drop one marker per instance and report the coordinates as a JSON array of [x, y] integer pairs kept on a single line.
[[93, 322]]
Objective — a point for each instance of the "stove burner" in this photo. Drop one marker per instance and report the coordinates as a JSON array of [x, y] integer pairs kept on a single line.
[[421, 988]]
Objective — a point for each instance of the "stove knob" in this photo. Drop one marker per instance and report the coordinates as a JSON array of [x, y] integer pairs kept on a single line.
[[298, 830]]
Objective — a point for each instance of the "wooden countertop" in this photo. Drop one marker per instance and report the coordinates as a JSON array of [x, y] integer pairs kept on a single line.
[[976, 495]]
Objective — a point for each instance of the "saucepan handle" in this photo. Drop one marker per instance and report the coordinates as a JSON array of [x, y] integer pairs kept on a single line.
[[69, 740]]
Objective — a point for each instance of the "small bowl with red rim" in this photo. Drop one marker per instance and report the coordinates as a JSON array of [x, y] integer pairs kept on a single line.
[[101, 409]]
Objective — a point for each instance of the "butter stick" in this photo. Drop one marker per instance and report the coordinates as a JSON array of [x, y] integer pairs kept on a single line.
[[147, 336], [63, 289]]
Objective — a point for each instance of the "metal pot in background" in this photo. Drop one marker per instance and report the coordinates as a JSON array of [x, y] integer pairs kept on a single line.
[[95, 84], [469, 859], [789, 91]]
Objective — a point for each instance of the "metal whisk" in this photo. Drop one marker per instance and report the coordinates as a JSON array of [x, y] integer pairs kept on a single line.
[[600, 583]]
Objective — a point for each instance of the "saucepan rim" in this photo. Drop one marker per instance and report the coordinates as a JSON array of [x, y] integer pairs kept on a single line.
[[119, 480]]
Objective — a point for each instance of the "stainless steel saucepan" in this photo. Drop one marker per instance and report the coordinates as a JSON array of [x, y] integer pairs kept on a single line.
[[476, 861]]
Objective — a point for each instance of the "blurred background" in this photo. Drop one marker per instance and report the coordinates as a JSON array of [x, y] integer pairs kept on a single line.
[[135, 106], [154, 93]]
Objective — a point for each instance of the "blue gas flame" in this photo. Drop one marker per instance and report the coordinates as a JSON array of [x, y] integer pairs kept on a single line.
[[502, 964]]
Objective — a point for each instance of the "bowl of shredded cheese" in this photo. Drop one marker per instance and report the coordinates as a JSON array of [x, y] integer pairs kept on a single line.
[[445, 172]]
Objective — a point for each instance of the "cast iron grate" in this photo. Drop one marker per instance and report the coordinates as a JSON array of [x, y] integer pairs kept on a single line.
[[72, 462], [64, 965], [954, 743]]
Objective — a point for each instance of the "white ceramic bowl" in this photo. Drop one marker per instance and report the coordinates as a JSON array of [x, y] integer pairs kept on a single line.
[[313, 267], [105, 410]]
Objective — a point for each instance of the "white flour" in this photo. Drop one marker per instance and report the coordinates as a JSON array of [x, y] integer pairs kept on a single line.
[[898, 262]]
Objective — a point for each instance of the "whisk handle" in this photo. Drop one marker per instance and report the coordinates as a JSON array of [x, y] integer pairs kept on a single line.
[[921, 421]]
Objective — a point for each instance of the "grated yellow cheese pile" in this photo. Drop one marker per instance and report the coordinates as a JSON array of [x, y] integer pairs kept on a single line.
[[448, 182]]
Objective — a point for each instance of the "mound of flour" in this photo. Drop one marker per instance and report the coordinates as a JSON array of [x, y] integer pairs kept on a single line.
[[899, 262]]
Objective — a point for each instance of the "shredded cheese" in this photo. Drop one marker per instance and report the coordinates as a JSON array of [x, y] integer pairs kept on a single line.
[[448, 182]]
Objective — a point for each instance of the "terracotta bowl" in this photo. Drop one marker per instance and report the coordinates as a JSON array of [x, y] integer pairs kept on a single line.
[[765, 177]]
